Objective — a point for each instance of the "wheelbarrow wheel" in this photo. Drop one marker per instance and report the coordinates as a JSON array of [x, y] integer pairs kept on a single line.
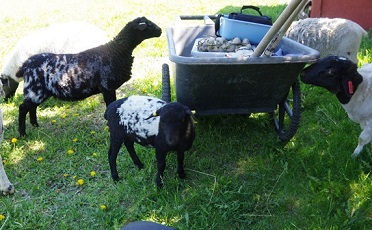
[[166, 92], [288, 113]]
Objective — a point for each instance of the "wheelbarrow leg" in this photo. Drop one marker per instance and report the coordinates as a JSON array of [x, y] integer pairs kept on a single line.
[[287, 117], [166, 91]]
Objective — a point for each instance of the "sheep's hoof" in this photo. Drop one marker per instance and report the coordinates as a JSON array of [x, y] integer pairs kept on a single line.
[[140, 166], [182, 175], [159, 182]]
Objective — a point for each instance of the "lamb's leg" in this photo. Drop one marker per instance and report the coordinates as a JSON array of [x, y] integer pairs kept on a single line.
[[160, 158], [364, 138], [109, 96], [23, 110], [180, 169], [112, 155], [33, 117], [130, 147]]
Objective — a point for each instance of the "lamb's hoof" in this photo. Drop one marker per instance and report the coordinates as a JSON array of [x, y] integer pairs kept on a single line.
[[182, 175], [159, 183], [140, 166]]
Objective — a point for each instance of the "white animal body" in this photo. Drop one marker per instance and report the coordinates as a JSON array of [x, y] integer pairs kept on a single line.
[[5, 186], [330, 36], [351, 85]]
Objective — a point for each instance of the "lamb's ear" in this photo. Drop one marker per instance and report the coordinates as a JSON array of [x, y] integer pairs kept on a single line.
[[192, 115], [154, 114], [142, 26]]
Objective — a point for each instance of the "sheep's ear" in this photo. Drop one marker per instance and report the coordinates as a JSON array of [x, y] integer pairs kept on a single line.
[[348, 87], [350, 79], [154, 114], [192, 115], [142, 26]]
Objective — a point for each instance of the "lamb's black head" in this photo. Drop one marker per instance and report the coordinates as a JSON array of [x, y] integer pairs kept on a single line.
[[337, 74], [175, 122], [138, 30]]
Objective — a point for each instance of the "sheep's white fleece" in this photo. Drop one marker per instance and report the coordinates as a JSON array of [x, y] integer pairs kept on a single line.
[[359, 108], [330, 36], [69, 37], [5, 186]]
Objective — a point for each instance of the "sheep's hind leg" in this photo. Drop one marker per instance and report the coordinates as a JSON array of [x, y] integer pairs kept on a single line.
[[33, 117], [132, 152], [364, 138], [24, 108]]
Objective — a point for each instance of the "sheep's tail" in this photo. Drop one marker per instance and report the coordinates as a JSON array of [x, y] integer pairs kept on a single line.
[[20, 73]]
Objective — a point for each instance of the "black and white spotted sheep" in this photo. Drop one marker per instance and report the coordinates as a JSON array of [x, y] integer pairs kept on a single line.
[[73, 77], [170, 128]]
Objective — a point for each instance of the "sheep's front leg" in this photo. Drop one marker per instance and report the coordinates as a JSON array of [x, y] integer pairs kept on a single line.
[[160, 158], [180, 160], [364, 138]]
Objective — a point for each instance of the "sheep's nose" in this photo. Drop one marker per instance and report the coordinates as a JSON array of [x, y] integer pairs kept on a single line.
[[172, 141]]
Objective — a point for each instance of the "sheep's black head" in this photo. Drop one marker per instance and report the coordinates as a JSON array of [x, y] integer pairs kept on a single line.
[[337, 74], [138, 30], [175, 122]]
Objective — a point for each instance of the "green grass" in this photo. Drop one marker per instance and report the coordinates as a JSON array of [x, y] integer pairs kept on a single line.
[[239, 175]]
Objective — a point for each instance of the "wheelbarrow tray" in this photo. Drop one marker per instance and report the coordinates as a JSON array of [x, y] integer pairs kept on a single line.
[[220, 85]]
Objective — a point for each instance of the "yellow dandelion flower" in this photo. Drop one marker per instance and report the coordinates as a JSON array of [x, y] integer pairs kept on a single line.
[[54, 121], [65, 175], [70, 151], [2, 217], [74, 177], [103, 207], [144, 90], [92, 173], [75, 140], [39, 159], [80, 182], [95, 154], [14, 140], [64, 115], [93, 132]]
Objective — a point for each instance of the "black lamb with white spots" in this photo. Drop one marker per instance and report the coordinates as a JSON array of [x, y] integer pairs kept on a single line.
[[73, 77], [133, 119]]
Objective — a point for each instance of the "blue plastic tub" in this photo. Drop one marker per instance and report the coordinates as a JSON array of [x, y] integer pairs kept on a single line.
[[230, 28]]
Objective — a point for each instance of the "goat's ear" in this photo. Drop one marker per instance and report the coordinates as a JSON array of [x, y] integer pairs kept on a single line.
[[142, 26]]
